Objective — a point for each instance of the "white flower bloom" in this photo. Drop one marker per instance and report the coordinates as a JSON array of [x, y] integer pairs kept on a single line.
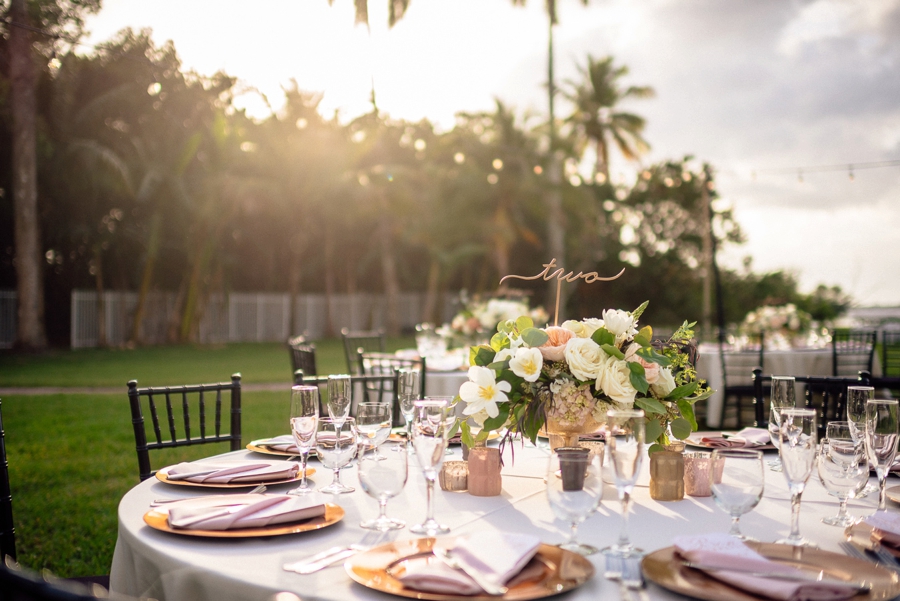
[[585, 358], [591, 325], [665, 384], [483, 392], [614, 380], [527, 364], [575, 326], [619, 322], [504, 354]]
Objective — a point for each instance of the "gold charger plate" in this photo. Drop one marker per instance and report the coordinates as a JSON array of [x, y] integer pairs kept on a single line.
[[665, 569], [893, 493], [694, 441], [557, 571], [163, 477], [254, 446], [333, 514], [863, 536]]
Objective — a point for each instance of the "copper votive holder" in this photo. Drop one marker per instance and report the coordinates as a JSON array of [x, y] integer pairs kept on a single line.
[[454, 476]]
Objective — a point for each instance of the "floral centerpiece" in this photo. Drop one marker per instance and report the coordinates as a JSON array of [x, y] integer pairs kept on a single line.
[[529, 376], [478, 319], [781, 326]]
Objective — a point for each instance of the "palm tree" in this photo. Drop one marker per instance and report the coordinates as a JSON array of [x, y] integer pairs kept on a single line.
[[595, 117], [396, 10]]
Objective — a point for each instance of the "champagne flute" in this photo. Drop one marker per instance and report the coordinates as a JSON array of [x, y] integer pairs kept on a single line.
[[798, 456], [574, 489], [882, 421], [449, 418], [737, 480], [843, 468], [373, 423], [304, 422], [407, 394], [857, 397], [336, 449], [340, 393], [783, 396], [625, 437], [429, 440], [383, 478]]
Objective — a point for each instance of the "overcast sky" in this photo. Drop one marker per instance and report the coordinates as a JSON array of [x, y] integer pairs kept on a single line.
[[749, 86]]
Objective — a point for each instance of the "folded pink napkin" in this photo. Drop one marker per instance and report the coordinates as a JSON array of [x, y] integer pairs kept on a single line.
[[499, 557], [887, 527], [746, 438], [232, 472], [720, 550], [227, 512], [284, 443]]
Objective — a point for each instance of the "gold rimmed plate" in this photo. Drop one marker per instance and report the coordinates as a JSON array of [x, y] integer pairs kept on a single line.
[[162, 476], [695, 440], [158, 520], [666, 569], [552, 571], [893, 493], [864, 536], [256, 447]]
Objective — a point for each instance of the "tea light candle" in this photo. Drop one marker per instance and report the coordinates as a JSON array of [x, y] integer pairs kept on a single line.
[[454, 476]]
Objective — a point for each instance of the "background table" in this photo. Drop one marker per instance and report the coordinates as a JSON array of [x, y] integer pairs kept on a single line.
[[172, 567], [444, 383]]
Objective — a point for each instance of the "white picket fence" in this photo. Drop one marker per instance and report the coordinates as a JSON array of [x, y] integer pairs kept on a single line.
[[240, 316]]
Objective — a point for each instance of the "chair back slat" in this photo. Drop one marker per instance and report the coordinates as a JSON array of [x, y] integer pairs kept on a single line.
[[852, 351], [370, 341], [372, 388], [303, 355], [143, 447], [377, 363]]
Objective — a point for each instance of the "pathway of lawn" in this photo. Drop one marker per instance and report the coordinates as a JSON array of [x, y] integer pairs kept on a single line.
[[72, 457]]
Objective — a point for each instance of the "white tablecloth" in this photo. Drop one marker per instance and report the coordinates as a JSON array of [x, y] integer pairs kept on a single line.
[[170, 567], [444, 383], [793, 362]]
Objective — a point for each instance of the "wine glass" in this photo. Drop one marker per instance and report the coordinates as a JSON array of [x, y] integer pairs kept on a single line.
[[335, 449], [737, 480], [429, 440], [304, 421], [783, 396], [382, 478], [574, 489], [625, 440], [798, 456], [449, 418], [373, 423], [857, 397], [843, 468], [407, 395], [340, 393], [881, 440]]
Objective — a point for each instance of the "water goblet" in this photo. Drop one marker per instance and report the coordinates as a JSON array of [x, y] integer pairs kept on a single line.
[[383, 478], [798, 456], [429, 440], [625, 441], [882, 421], [373, 423], [574, 489], [737, 480], [843, 469], [335, 449], [783, 396], [304, 421]]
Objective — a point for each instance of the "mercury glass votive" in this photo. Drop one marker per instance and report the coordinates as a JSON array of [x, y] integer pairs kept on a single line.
[[454, 476], [696, 473]]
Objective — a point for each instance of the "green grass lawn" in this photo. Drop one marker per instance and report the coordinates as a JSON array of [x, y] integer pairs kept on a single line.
[[72, 457]]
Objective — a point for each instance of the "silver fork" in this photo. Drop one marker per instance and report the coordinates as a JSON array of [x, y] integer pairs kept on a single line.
[[853, 551], [887, 559], [155, 502]]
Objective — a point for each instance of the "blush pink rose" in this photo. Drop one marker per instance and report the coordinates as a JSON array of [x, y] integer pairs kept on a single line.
[[555, 347], [651, 369]]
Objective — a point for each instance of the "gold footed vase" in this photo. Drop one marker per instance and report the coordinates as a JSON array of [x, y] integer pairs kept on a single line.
[[565, 434], [667, 473]]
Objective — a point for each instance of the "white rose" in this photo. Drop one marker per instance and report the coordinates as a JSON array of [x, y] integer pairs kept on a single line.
[[527, 363], [665, 384], [614, 380], [585, 358], [575, 326], [591, 325], [618, 322]]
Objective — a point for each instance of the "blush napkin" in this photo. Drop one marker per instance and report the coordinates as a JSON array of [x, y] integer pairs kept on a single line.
[[499, 557], [887, 527], [224, 512], [284, 443], [722, 550], [747, 438], [232, 472]]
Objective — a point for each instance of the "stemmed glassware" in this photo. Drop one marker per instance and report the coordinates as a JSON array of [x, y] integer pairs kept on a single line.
[[857, 397], [373, 423], [798, 456], [625, 440], [340, 394], [783, 396], [449, 418], [335, 449], [843, 468], [429, 440], [737, 480], [574, 489], [882, 421], [304, 421], [407, 395], [383, 478]]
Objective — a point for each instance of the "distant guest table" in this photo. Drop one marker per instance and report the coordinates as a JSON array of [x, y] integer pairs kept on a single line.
[[444, 383], [791, 362]]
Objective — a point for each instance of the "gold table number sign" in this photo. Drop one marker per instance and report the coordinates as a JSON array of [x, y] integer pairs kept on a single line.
[[560, 275]]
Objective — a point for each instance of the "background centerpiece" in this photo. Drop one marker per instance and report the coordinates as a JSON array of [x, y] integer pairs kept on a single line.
[[565, 378]]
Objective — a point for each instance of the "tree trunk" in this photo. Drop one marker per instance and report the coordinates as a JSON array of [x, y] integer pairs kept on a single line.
[[389, 269], [429, 312], [101, 300], [31, 334], [330, 330], [295, 269], [137, 332]]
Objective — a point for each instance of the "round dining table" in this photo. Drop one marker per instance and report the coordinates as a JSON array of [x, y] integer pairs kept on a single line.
[[175, 567]]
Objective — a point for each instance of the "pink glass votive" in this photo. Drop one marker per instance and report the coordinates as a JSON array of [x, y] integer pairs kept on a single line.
[[696, 473]]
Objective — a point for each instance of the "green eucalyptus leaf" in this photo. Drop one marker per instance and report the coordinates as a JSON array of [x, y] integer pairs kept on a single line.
[[524, 322], [534, 337], [636, 368], [495, 423], [681, 428], [651, 406], [612, 351], [499, 341], [655, 448], [603, 336], [650, 354], [481, 355], [499, 365], [687, 412], [639, 382], [652, 430]]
